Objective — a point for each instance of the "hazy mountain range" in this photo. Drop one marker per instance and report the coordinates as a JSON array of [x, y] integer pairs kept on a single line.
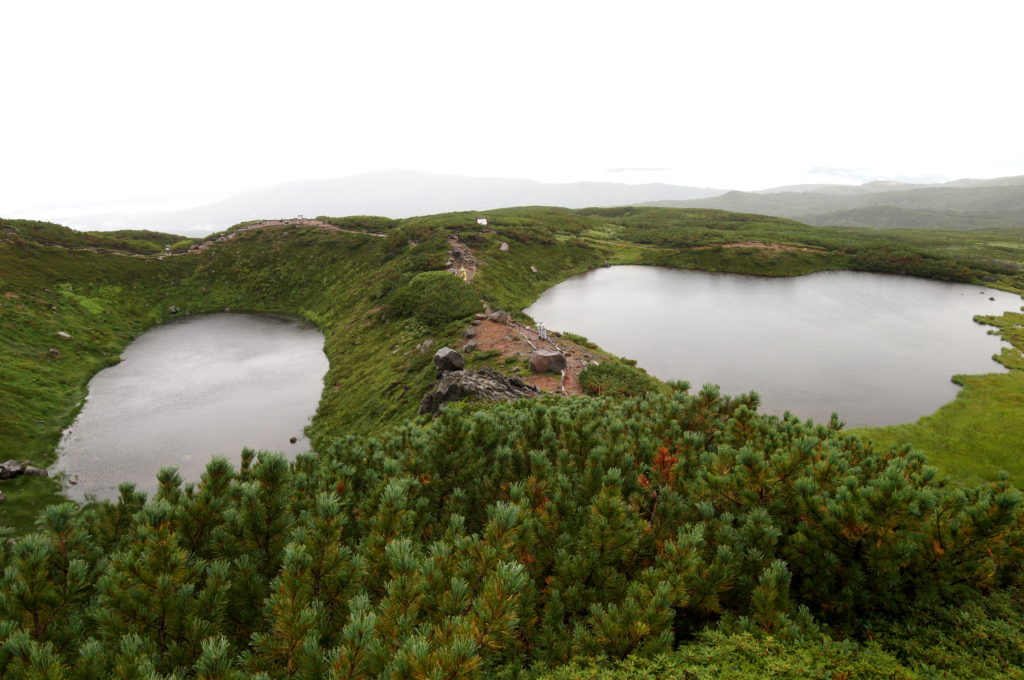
[[396, 193], [961, 204]]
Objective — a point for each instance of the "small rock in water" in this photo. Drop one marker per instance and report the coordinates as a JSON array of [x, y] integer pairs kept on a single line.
[[293, 440], [992, 299]]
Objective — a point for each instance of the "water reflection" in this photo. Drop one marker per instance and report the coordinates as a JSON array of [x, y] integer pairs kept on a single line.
[[874, 348], [189, 390]]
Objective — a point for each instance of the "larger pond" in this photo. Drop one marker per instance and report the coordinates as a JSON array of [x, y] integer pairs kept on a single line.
[[876, 349], [192, 389]]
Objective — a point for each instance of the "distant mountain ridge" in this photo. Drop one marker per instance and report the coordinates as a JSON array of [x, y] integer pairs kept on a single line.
[[393, 193], [960, 204]]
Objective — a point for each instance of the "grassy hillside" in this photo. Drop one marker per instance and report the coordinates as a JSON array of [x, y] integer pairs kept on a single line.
[[54, 279], [963, 205], [685, 534]]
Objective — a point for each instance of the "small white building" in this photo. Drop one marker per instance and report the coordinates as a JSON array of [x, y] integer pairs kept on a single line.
[[482, 221]]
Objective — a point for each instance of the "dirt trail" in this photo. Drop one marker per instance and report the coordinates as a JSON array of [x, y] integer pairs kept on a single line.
[[460, 259], [518, 340]]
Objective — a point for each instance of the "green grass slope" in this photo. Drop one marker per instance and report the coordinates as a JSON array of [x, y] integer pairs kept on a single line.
[[343, 283], [978, 435], [655, 535]]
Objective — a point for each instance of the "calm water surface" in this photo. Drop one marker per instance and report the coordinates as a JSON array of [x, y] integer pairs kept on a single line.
[[876, 349], [189, 390]]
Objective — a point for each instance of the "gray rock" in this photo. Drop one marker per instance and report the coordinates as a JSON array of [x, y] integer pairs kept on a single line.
[[470, 346], [66, 336], [479, 317], [547, 361], [11, 468], [501, 316], [33, 471], [503, 247], [53, 352], [533, 269], [173, 309], [426, 345], [469, 332], [483, 385], [446, 359]]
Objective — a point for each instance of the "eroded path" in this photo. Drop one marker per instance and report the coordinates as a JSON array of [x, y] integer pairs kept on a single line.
[[460, 259]]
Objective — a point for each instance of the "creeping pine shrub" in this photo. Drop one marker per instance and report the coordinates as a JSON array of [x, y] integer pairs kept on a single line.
[[433, 298], [616, 378]]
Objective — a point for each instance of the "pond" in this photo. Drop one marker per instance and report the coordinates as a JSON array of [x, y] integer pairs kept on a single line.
[[876, 349], [189, 390]]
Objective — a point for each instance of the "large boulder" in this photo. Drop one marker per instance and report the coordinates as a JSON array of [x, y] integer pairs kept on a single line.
[[501, 317], [446, 359], [547, 361], [11, 468], [483, 385]]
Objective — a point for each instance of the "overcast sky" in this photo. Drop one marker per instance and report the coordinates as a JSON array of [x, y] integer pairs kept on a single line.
[[111, 103]]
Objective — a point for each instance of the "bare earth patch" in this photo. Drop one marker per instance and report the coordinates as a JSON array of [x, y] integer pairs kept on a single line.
[[519, 341]]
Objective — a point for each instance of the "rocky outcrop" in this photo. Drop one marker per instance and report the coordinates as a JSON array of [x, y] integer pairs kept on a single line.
[[10, 469], [483, 385], [446, 359], [547, 361]]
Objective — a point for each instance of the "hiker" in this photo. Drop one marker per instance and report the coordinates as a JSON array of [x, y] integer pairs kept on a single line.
[[541, 331]]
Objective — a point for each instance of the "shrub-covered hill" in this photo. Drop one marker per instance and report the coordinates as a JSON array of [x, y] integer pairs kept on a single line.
[[504, 541], [499, 541], [351, 285]]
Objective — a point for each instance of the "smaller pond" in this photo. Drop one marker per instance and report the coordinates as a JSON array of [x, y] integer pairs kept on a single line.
[[874, 348], [192, 389]]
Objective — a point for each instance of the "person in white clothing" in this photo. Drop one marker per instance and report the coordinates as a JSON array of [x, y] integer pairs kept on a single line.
[[541, 331]]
